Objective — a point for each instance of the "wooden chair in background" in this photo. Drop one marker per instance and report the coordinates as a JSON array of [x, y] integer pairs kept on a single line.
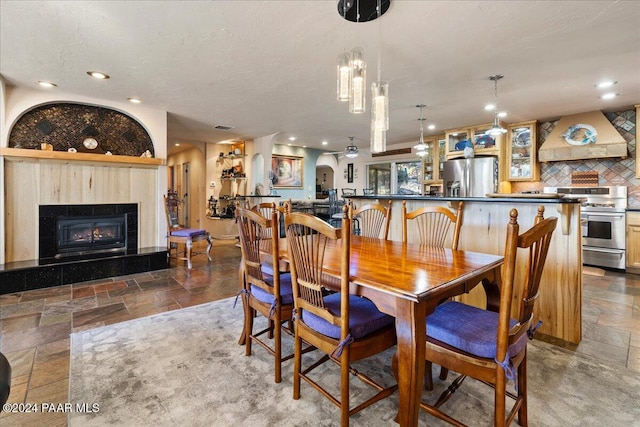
[[264, 289], [345, 327], [488, 346], [435, 226], [179, 235], [373, 220]]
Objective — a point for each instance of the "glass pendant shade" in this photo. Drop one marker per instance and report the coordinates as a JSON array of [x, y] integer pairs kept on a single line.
[[421, 153], [378, 139], [380, 105], [344, 77], [357, 101]]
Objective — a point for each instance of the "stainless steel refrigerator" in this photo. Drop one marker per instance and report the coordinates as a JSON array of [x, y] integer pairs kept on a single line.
[[470, 177]]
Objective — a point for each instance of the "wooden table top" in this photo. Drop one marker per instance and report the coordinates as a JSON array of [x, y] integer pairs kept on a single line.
[[413, 272]]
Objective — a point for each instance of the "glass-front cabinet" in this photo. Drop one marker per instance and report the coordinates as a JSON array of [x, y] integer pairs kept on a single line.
[[433, 164], [521, 152], [475, 137]]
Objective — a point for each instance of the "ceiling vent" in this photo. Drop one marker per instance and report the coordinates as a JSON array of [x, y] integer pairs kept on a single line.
[[223, 127], [583, 136]]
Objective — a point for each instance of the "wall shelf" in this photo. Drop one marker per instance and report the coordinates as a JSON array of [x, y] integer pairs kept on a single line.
[[21, 153]]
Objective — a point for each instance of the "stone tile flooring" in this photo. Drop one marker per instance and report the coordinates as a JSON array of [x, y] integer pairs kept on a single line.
[[35, 325]]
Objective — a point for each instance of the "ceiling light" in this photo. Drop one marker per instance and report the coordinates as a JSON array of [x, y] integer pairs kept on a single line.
[[344, 77], [289, 144], [98, 75], [304, 146], [609, 95], [135, 100], [357, 102], [292, 138], [46, 84], [502, 114], [496, 129], [324, 143], [421, 147], [605, 84], [490, 107], [177, 144], [431, 127]]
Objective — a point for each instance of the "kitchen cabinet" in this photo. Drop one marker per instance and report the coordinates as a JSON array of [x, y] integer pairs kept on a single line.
[[475, 137], [633, 242], [432, 163], [521, 160]]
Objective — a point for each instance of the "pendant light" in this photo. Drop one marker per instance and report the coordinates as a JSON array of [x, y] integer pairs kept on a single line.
[[344, 77], [379, 101], [496, 130], [357, 102], [421, 148]]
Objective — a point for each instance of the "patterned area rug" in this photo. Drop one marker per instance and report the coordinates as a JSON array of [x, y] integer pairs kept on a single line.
[[185, 367]]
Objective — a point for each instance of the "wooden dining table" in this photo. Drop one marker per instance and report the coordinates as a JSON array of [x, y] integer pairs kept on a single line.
[[407, 281]]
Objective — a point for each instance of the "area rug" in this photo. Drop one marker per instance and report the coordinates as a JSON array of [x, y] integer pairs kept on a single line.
[[185, 367]]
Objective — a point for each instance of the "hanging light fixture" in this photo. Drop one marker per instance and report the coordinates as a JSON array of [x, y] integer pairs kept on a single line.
[[357, 101], [421, 148], [344, 77], [496, 130], [379, 101]]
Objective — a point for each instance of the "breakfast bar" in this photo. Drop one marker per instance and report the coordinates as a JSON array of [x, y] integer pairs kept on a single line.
[[559, 305]]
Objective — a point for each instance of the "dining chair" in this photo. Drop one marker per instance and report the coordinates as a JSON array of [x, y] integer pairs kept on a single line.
[[488, 346], [179, 235], [373, 220], [345, 328], [433, 226], [265, 289]]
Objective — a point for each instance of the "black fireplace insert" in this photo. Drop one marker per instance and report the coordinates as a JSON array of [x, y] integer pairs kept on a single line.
[[83, 235]]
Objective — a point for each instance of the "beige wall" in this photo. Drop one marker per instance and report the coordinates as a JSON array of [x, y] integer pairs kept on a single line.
[[197, 182]]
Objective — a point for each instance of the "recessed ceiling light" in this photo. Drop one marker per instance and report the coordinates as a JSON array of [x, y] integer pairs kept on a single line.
[[289, 145], [46, 84], [98, 75], [431, 127], [605, 84], [502, 114], [304, 146], [135, 100], [177, 144], [324, 143], [490, 107], [292, 138], [609, 95]]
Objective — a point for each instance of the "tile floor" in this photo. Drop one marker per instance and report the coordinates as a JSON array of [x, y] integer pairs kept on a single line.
[[35, 326]]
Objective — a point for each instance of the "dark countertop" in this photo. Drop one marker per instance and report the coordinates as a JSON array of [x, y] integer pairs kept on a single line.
[[633, 209], [529, 199]]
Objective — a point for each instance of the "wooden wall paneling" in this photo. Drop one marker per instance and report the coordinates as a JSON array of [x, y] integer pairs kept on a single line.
[[144, 193], [22, 180]]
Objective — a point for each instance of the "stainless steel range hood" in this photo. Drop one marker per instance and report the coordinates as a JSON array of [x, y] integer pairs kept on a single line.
[[583, 136]]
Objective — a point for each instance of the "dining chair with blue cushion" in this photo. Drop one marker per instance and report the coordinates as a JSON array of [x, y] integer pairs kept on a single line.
[[491, 346], [264, 289], [178, 235], [344, 327]]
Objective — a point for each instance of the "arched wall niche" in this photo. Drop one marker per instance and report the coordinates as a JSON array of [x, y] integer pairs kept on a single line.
[[66, 125]]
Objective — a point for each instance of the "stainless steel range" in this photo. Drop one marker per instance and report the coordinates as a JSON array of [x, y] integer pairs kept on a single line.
[[603, 223]]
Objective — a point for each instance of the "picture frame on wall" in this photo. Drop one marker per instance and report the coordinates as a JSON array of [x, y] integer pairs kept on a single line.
[[350, 173], [286, 171]]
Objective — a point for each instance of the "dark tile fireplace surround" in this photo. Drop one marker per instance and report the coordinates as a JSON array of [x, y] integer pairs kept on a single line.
[[97, 241]]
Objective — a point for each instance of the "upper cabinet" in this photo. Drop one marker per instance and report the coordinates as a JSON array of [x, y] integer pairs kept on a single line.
[[522, 164], [433, 162], [474, 137]]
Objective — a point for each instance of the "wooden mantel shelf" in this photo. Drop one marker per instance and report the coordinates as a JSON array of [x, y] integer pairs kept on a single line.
[[80, 157]]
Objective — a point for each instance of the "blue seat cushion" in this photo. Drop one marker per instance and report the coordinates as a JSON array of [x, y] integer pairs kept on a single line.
[[470, 329], [286, 292], [188, 232], [364, 317]]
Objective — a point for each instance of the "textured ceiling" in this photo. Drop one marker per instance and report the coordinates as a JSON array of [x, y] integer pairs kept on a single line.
[[268, 67]]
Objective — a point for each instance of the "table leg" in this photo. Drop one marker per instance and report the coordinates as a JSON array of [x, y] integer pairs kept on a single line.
[[411, 331]]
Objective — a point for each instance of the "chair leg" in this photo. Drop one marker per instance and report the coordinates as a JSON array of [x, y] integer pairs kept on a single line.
[[444, 372], [428, 376], [209, 245], [297, 362], [277, 345], [249, 314], [522, 391], [500, 395], [243, 335], [187, 252], [344, 387]]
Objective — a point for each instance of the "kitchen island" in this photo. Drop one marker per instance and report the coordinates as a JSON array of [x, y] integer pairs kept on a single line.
[[484, 225]]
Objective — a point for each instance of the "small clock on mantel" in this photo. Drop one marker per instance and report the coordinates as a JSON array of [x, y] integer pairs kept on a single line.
[[90, 145]]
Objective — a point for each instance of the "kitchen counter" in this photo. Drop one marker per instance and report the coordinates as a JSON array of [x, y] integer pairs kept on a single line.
[[484, 230]]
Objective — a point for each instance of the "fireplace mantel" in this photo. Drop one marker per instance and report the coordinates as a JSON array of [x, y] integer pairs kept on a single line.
[[21, 153]]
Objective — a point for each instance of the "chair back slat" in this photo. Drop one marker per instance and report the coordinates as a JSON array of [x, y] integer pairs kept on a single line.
[[433, 225]]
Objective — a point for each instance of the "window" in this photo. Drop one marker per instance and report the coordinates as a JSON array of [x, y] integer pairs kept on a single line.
[[405, 179]]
